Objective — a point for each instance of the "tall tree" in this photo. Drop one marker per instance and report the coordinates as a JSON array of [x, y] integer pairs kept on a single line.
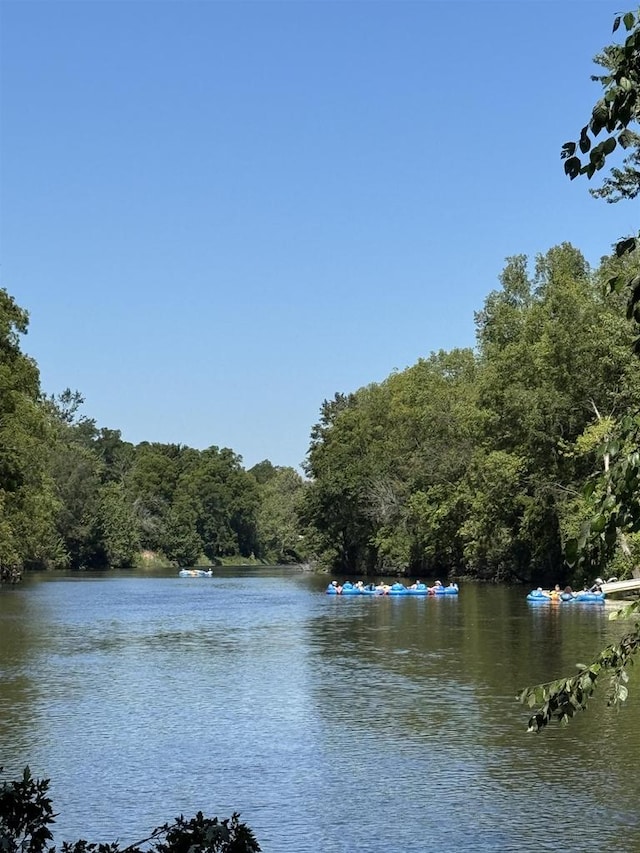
[[616, 504], [28, 536], [116, 532], [553, 352], [278, 526], [377, 459]]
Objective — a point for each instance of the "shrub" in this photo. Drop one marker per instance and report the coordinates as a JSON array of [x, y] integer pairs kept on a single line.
[[26, 814]]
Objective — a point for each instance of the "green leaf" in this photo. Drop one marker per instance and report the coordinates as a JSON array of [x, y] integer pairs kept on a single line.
[[625, 247], [598, 523], [586, 682], [616, 283], [585, 142], [571, 551], [616, 23], [624, 612], [634, 298], [625, 139], [572, 167], [629, 20]]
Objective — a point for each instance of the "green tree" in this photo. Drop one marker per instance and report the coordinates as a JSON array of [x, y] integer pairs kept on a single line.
[[28, 535], [616, 506], [76, 472], [339, 466], [553, 352], [228, 499], [278, 523], [116, 531], [374, 450], [469, 461], [152, 482], [493, 541], [263, 471], [182, 543], [115, 455], [430, 429]]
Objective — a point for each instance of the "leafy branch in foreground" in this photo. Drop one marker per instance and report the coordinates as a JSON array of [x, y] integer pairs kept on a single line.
[[614, 112], [561, 699], [615, 493], [614, 496], [26, 814], [617, 112]]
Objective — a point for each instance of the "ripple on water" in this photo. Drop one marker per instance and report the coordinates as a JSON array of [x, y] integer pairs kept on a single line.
[[362, 725]]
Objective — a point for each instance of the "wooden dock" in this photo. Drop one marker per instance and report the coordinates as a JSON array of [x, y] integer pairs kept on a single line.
[[620, 586]]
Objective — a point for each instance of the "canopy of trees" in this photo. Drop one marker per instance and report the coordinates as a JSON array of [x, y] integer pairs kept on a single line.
[[469, 462], [473, 461], [75, 496], [612, 521], [476, 462]]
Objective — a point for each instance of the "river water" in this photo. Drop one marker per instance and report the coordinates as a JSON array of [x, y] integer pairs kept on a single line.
[[332, 724]]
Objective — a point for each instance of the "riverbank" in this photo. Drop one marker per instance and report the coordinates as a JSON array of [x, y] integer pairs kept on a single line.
[[155, 560]]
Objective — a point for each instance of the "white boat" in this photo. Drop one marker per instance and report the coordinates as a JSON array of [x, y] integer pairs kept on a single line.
[[195, 573]]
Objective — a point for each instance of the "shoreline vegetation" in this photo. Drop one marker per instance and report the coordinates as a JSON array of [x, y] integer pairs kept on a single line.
[[150, 560], [517, 459], [468, 463], [514, 460]]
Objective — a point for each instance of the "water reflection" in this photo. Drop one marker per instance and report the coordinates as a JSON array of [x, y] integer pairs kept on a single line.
[[359, 724]]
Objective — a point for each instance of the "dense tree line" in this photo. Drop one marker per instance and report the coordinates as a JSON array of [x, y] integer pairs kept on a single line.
[[468, 462], [473, 461], [519, 459], [612, 495], [73, 495]]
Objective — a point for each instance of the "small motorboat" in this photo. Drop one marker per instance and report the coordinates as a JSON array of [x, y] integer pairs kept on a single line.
[[195, 573]]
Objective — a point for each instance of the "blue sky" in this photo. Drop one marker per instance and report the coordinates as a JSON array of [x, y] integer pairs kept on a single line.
[[219, 214]]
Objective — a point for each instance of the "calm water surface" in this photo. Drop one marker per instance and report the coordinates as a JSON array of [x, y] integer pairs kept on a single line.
[[363, 725]]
